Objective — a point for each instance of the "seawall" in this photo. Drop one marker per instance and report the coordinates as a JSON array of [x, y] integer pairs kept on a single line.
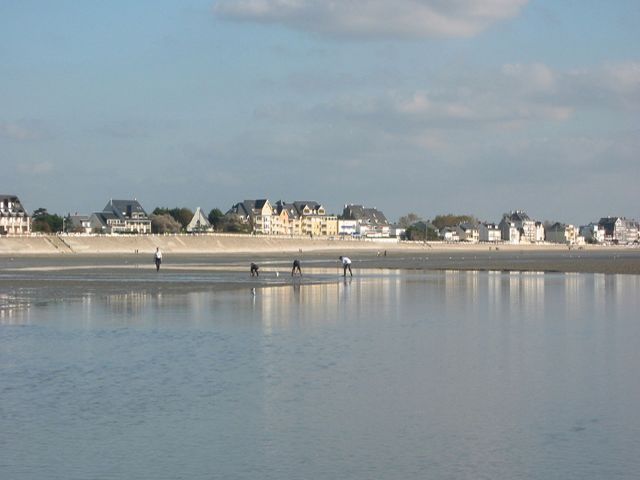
[[187, 244]]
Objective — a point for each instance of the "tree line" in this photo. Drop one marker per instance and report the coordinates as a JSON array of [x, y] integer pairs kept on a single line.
[[163, 220], [175, 220], [418, 229]]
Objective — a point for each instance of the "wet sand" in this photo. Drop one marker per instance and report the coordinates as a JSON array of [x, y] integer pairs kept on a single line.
[[29, 278]]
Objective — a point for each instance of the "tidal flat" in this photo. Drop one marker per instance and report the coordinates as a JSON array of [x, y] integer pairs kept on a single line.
[[113, 370]]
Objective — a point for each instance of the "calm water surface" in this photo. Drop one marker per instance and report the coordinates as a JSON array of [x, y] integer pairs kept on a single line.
[[389, 376]]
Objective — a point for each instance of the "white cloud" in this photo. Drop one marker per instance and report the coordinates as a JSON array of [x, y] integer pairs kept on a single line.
[[624, 77], [534, 77], [37, 168], [371, 18], [14, 131]]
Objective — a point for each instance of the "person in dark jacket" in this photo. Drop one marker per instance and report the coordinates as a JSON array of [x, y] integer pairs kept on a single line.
[[296, 267]]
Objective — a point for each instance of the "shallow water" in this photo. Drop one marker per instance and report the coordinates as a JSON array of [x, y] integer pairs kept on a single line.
[[389, 375]]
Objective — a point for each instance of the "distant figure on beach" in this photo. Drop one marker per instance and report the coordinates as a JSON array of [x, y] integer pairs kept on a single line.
[[254, 270], [346, 264], [296, 267], [157, 258]]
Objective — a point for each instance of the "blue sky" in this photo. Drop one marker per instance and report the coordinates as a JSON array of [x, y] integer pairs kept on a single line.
[[425, 106]]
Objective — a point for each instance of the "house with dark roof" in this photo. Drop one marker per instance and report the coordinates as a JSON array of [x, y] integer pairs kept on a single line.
[[489, 232], [529, 231], [14, 219], [77, 223], [308, 218], [257, 213], [468, 232], [593, 233], [121, 216], [561, 233], [619, 230], [371, 221]]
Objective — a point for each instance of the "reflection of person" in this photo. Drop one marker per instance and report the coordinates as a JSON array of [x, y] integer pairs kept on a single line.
[[157, 258], [296, 267], [346, 264], [254, 270]]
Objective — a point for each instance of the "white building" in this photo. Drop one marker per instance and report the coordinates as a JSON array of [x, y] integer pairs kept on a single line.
[[14, 219], [121, 216], [347, 227], [449, 234], [468, 233], [199, 223], [77, 224], [489, 232], [509, 232], [593, 233]]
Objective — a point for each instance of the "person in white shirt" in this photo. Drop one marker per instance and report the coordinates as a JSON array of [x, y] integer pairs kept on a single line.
[[346, 264], [157, 258]]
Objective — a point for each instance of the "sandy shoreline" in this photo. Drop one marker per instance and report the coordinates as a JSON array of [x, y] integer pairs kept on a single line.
[[42, 278], [235, 252]]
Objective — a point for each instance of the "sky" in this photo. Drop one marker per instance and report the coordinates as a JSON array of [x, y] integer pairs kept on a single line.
[[426, 106]]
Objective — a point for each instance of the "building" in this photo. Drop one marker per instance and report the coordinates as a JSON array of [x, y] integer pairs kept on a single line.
[[529, 230], [313, 219], [288, 220], [308, 218], [77, 224], [371, 222], [468, 233], [397, 231], [14, 219], [450, 234], [540, 233], [489, 232], [256, 213], [347, 227], [199, 223], [562, 233], [121, 216], [509, 232], [593, 233], [619, 230]]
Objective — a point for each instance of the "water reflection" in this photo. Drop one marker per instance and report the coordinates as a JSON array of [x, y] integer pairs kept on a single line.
[[524, 293], [386, 375]]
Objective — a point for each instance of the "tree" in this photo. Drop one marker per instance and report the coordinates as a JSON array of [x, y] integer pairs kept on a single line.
[[181, 215], [216, 218], [45, 222], [451, 220], [408, 220], [421, 231], [234, 224], [164, 223]]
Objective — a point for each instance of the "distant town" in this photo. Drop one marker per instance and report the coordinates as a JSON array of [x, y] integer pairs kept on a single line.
[[310, 219]]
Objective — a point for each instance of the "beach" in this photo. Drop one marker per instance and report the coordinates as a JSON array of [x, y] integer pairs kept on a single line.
[[208, 253]]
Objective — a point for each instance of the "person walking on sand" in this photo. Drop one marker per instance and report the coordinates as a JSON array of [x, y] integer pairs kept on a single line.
[[346, 264], [157, 258], [296, 267], [254, 270]]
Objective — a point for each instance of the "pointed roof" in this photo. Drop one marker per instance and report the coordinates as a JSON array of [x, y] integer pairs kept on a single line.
[[199, 222]]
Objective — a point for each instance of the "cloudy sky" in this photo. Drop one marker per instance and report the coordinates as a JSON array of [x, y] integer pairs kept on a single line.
[[426, 106]]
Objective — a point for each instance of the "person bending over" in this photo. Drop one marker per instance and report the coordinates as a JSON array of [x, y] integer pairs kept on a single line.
[[346, 265], [296, 268], [254, 270]]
